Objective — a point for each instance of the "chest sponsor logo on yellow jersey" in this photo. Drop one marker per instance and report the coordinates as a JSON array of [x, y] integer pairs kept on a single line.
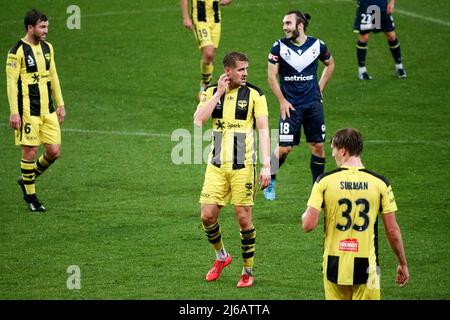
[[351, 245]]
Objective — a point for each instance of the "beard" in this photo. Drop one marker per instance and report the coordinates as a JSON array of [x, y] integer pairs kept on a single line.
[[38, 38], [295, 35]]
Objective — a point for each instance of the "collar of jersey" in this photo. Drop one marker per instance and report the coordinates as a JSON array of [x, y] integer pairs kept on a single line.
[[299, 45], [30, 44], [232, 90], [352, 167]]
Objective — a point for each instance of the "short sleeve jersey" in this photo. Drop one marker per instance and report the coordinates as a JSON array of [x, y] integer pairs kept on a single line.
[[298, 68], [233, 124], [351, 198]]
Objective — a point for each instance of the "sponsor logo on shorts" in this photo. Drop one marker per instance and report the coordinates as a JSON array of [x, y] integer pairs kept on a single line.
[[286, 137], [351, 245], [249, 187], [204, 195]]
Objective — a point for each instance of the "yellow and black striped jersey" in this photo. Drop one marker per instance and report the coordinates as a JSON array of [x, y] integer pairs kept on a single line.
[[32, 79], [233, 123], [351, 198], [205, 11]]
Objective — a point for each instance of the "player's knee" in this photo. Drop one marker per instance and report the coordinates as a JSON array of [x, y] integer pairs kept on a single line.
[[53, 154], [364, 38], [391, 36], [209, 217], [209, 55], [317, 149], [29, 153], [284, 151], [244, 217]]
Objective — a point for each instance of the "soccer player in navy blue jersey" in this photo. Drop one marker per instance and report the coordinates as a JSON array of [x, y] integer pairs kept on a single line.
[[292, 76], [376, 16]]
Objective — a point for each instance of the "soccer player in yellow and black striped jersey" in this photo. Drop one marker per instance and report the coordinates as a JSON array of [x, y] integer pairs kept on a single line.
[[36, 103], [351, 197], [236, 108], [204, 19]]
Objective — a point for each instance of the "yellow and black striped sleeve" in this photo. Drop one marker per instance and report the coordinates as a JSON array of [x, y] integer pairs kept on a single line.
[[316, 199], [13, 66], [56, 87], [261, 108]]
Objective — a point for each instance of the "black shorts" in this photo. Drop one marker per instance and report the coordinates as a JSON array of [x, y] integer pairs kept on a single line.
[[311, 117], [373, 19]]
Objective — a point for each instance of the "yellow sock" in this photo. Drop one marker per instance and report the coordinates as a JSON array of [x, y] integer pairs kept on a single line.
[[28, 176], [41, 165], [206, 70], [248, 238]]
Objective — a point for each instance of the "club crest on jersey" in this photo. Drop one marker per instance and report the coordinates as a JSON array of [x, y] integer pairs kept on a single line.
[[242, 104], [30, 61], [47, 56]]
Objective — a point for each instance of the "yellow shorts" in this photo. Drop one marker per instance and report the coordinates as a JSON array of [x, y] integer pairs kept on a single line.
[[207, 34], [37, 130], [335, 291], [224, 183]]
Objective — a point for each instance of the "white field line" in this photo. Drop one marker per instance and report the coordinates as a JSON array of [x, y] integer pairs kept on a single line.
[[168, 136]]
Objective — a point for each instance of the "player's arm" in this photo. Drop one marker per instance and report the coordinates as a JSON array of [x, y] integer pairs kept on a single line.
[[272, 78], [262, 124], [395, 240], [206, 108], [326, 73], [56, 88], [12, 76], [390, 7], [187, 22], [225, 2], [310, 218]]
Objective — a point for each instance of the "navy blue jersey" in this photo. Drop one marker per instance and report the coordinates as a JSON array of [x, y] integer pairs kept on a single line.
[[298, 68], [372, 16]]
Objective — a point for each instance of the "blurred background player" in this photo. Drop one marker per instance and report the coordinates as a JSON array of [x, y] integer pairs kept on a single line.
[[292, 76], [376, 16], [351, 197], [237, 108], [204, 19], [33, 83]]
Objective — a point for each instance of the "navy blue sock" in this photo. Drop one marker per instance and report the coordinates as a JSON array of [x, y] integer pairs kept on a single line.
[[361, 52], [317, 166], [394, 46]]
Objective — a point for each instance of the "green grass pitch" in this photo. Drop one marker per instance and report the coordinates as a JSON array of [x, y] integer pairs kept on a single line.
[[129, 218]]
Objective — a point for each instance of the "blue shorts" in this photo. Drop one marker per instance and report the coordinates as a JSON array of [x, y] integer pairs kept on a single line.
[[373, 19], [311, 117]]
